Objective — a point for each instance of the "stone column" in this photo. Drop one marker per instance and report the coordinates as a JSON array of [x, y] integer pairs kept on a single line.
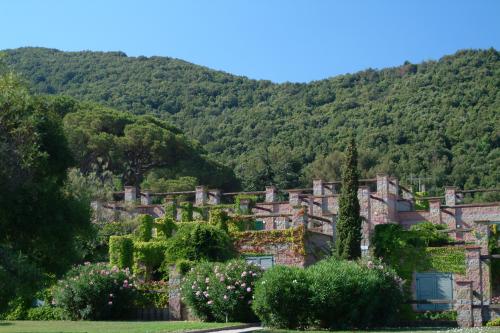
[[365, 212], [130, 194], [245, 206], [271, 194], [201, 196], [450, 195], [146, 198], [319, 204], [463, 303], [477, 271], [435, 211], [293, 198], [214, 197], [174, 294], [318, 188], [382, 186]]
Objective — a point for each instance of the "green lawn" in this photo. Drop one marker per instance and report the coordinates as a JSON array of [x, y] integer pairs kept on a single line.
[[105, 326]]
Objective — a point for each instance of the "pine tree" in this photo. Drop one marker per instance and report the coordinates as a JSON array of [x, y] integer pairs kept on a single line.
[[348, 240]]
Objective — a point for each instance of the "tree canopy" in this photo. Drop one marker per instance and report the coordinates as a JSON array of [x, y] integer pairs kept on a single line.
[[437, 119]]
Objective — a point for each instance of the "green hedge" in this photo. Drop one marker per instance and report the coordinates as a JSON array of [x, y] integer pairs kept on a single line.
[[144, 232], [148, 257], [121, 251], [449, 259]]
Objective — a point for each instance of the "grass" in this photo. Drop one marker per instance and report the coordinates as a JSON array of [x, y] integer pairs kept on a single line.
[[105, 326]]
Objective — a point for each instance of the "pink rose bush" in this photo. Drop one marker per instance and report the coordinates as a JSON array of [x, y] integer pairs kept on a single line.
[[221, 291], [96, 292]]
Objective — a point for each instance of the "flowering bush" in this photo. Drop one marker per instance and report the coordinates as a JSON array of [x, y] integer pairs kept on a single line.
[[95, 292], [221, 291], [330, 294]]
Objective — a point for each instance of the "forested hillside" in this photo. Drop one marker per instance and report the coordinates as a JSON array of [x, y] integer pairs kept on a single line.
[[438, 119]]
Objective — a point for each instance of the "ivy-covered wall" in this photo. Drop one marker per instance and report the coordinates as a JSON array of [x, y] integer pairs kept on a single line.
[[288, 246]]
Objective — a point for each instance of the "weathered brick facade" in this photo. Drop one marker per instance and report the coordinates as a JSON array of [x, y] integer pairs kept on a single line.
[[315, 210]]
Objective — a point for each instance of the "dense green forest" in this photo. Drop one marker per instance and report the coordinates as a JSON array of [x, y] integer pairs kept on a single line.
[[439, 119]]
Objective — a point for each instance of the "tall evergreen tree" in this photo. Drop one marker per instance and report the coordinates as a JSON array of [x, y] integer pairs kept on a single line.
[[348, 240]]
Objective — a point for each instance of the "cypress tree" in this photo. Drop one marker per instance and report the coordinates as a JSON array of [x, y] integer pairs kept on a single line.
[[348, 240]]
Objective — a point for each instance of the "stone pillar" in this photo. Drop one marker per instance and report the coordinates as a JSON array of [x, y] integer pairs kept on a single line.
[[319, 204], [294, 198], [435, 211], [201, 196], [382, 186], [463, 303], [271, 193], [318, 188], [477, 271], [214, 197], [245, 206], [365, 212], [450, 195], [130, 194], [174, 294], [146, 198]]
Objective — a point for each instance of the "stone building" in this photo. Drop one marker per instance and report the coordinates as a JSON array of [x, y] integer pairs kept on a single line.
[[308, 217]]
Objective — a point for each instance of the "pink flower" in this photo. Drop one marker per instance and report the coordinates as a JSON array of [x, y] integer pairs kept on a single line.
[[249, 289], [243, 285], [110, 295], [210, 302], [110, 303], [225, 297]]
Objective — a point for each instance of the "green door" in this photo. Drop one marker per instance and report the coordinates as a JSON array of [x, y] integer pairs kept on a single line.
[[434, 286]]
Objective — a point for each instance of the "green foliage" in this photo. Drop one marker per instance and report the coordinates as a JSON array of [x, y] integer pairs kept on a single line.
[[219, 218], [165, 227], [283, 285], [421, 204], [46, 312], [252, 199], [144, 232], [184, 266], [436, 119], [348, 233], [431, 234], [186, 211], [121, 251], [443, 259], [152, 294], [39, 220], [407, 251], [331, 294], [494, 322], [443, 315], [148, 257], [96, 292], [198, 241], [156, 181], [171, 210], [221, 291]]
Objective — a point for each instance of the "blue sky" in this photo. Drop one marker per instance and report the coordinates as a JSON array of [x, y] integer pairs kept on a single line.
[[276, 40]]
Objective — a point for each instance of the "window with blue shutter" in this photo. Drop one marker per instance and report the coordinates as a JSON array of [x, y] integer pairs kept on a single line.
[[434, 286]]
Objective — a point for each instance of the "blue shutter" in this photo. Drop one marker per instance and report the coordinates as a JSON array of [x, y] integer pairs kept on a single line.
[[434, 286]]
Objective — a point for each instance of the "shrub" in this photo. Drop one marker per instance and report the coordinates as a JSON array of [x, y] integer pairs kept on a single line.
[[186, 211], [354, 294], [46, 313], [198, 241], [121, 251], [148, 257], [282, 286], [95, 292], [152, 294], [145, 231], [221, 291], [431, 234], [165, 227], [494, 322], [331, 294]]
